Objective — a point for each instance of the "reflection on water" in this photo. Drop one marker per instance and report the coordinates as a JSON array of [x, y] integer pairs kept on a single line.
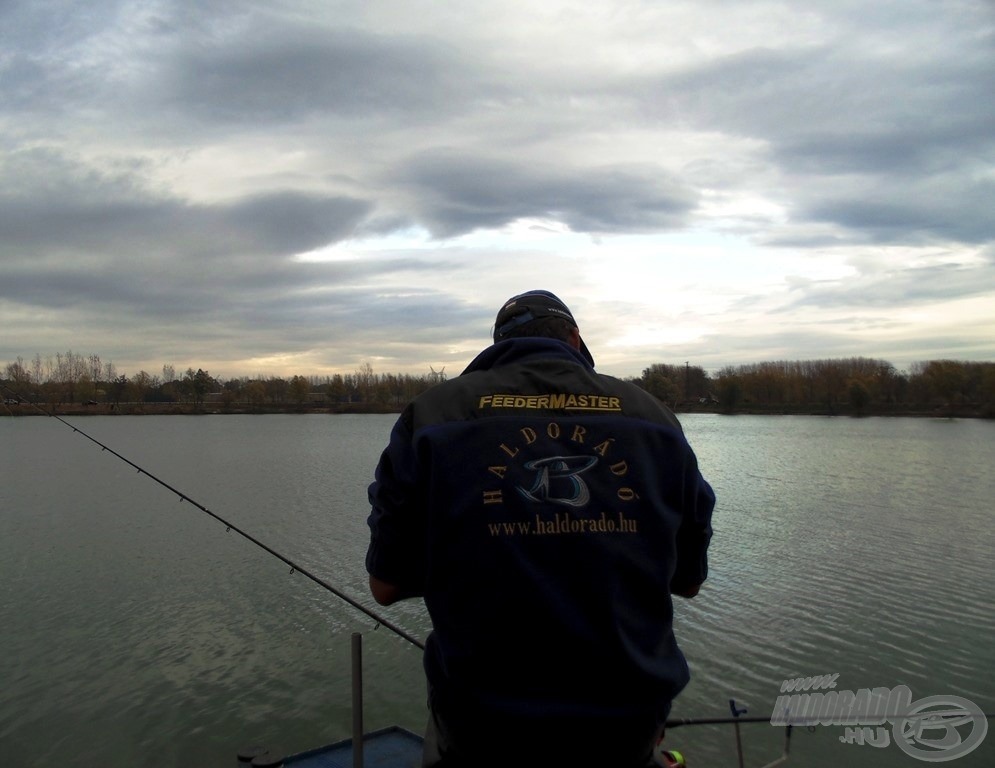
[[137, 631]]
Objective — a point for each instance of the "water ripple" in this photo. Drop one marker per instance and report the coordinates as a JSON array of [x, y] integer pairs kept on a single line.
[[135, 626]]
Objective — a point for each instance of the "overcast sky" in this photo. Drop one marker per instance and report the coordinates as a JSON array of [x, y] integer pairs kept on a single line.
[[282, 188]]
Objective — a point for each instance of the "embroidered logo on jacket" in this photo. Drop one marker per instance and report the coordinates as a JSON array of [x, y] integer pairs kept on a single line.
[[555, 467], [560, 471], [560, 401]]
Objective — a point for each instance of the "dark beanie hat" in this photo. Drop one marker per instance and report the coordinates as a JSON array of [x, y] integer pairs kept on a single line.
[[529, 306]]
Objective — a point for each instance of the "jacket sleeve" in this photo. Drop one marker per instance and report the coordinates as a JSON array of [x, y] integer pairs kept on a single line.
[[397, 520], [696, 530]]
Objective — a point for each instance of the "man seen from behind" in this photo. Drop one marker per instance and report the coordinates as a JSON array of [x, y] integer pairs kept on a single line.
[[546, 513]]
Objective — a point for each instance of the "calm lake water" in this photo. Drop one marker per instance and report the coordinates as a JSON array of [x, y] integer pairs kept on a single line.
[[137, 631]]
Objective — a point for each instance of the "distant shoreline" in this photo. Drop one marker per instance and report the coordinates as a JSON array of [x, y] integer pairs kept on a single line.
[[217, 409]]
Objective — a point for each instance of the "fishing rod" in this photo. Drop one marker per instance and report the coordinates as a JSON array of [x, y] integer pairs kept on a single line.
[[229, 527]]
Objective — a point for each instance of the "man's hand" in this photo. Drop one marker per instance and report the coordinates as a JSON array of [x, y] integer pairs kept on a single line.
[[384, 592], [686, 591]]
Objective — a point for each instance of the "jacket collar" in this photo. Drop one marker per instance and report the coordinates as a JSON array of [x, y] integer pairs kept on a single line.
[[521, 349]]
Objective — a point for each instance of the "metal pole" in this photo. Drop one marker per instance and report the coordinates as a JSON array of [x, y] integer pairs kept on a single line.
[[357, 700], [739, 746], [736, 712]]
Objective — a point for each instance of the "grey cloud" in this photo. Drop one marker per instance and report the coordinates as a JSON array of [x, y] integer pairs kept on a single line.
[[955, 209], [174, 70], [873, 132], [41, 68], [871, 125], [291, 309], [843, 107], [456, 193], [898, 288], [282, 73], [292, 222], [188, 291], [109, 217], [412, 316]]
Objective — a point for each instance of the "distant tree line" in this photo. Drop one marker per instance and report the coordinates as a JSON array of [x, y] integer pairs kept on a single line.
[[74, 379], [854, 385]]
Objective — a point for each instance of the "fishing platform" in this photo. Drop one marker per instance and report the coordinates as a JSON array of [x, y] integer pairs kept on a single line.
[[392, 747], [397, 747]]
